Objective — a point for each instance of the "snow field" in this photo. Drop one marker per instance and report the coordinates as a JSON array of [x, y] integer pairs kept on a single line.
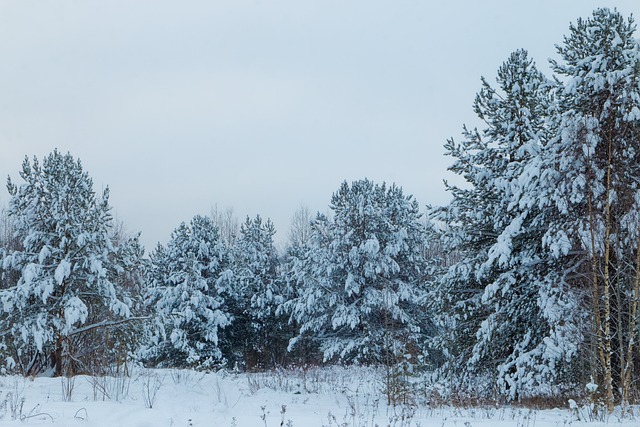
[[329, 397]]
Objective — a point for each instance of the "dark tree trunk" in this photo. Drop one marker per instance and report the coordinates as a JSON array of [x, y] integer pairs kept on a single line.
[[57, 358]]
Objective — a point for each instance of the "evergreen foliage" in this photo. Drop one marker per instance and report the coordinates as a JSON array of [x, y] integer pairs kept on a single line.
[[362, 281], [590, 179], [258, 335], [547, 227], [189, 287], [67, 267], [492, 302]]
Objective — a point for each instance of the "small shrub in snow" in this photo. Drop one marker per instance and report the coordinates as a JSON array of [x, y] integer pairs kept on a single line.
[[13, 401], [151, 383], [114, 386], [186, 377], [68, 385]]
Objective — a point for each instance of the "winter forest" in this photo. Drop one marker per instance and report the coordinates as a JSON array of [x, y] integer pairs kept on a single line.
[[524, 288]]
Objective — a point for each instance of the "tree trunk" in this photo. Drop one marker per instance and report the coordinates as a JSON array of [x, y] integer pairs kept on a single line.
[[628, 366], [608, 378], [599, 345], [57, 357]]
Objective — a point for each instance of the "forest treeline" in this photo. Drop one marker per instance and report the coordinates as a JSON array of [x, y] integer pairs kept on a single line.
[[526, 285]]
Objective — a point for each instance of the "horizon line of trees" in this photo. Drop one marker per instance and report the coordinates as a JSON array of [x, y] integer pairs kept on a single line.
[[525, 286]]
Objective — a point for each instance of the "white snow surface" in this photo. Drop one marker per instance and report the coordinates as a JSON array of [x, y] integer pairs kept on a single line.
[[327, 397]]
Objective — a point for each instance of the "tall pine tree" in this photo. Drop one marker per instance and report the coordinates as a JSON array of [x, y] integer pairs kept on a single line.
[[591, 179], [67, 266], [362, 280], [258, 336], [188, 293], [502, 315]]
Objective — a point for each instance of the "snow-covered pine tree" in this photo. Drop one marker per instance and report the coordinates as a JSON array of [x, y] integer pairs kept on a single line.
[[258, 337], [111, 348], [300, 237], [306, 351], [590, 177], [362, 281], [188, 292], [502, 315], [65, 267]]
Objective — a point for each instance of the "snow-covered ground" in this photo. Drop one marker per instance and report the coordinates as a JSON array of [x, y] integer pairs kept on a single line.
[[333, 397]]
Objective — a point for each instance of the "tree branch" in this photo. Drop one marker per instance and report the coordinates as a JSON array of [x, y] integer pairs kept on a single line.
[[104, 324]]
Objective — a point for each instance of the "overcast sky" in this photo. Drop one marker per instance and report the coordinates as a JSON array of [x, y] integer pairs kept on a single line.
[[261, 106]]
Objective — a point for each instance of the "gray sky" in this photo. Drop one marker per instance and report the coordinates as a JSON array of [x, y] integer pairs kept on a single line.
[[256, 105]]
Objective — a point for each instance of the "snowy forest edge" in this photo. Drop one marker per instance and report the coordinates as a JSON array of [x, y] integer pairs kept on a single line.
[[525, 288]]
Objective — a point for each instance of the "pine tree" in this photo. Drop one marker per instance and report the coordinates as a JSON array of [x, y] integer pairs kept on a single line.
[[258, 335], [189, 288], [305, 353], [362, 281], [502, 314], [548, 228], [591, 180], [66, 266]]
